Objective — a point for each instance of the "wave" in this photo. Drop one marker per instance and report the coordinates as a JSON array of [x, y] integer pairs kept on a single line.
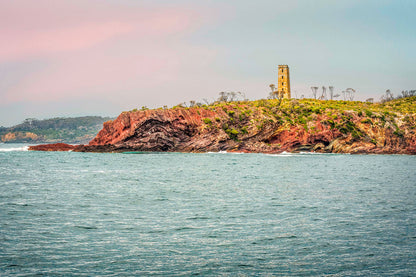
[[283, 154], [289, 154], [23, 148], [225, 152]]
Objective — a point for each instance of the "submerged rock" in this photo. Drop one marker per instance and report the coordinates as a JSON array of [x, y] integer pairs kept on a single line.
[[53, 147]]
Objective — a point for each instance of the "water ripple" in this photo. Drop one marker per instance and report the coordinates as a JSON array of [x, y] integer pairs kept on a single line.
[[207, 214]]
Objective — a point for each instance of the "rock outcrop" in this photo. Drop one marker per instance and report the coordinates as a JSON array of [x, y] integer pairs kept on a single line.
[[260, 126], [53, 147]]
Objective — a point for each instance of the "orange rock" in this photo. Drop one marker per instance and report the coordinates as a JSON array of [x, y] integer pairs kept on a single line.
[[53, 147]]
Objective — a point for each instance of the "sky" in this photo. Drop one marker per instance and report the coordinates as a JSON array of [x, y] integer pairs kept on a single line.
[[101, 57]]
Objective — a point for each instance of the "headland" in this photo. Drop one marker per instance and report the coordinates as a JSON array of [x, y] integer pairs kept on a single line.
[[262, 126]]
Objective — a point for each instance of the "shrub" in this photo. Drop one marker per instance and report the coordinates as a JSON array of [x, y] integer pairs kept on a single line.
[[398, 133], [302, 120], [207, 121], [316, 110], [407, 119], [232, 133]]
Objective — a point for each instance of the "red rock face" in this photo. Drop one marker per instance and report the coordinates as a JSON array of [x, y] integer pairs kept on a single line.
[[153, 130], [203, 130]]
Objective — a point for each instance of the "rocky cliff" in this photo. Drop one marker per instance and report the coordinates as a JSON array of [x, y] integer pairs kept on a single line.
[[267, 126]]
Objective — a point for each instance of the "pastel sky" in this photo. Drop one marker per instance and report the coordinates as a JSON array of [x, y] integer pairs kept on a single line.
[[102, 57]]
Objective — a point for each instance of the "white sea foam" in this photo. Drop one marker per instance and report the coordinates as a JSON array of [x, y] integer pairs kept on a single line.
[[23, 148], [283, 154], [219, 152], [225, 152]]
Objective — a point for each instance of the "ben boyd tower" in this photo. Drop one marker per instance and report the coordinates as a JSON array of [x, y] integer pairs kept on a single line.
[[283, 83]]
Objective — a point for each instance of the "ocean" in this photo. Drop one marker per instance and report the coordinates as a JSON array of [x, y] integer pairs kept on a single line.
[[213, 214]]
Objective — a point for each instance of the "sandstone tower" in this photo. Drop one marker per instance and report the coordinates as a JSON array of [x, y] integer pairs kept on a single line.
[[283, 83]]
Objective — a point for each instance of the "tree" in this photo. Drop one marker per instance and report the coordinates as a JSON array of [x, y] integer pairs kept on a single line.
[[323, 96], [331, 92], [231, 96], [207, 102], [314, 91], [223, 97], [350, 93], [387, 96]]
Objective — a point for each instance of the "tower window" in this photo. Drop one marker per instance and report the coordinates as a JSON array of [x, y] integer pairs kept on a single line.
[[282, 83], [282, 76]]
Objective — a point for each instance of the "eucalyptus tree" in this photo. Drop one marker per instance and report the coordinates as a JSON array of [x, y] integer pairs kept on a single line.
[[314, 91]]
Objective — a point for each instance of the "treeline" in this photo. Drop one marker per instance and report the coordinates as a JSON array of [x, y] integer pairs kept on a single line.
[[59, 123], [224, 96], [389, 96], [60, 129]]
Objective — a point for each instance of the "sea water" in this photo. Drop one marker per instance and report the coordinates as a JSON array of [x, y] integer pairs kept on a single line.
[[176, 214]]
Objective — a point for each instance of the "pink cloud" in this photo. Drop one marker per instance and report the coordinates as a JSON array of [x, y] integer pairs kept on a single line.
[[112, 49], [41, 43], [90, 73], [35, 30]]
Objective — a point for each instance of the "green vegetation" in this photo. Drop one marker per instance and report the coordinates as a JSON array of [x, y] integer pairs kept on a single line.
[[207, 121], [233, 133], [239, 118]]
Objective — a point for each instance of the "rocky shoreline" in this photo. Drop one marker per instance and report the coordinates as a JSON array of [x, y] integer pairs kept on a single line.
[[244, 127]]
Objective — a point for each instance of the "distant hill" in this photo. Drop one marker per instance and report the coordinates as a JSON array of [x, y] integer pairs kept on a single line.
[[77, 130]]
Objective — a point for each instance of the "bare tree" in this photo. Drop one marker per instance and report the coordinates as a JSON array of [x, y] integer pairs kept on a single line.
[[242, 95], [223, 97], [276, 95], [405, 93], [369, 100], [387, 96], [314, 91], [408, 93], [323, 95], [337, 95], [350, 92], [207, 102], [231, 96], [331, 92]]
